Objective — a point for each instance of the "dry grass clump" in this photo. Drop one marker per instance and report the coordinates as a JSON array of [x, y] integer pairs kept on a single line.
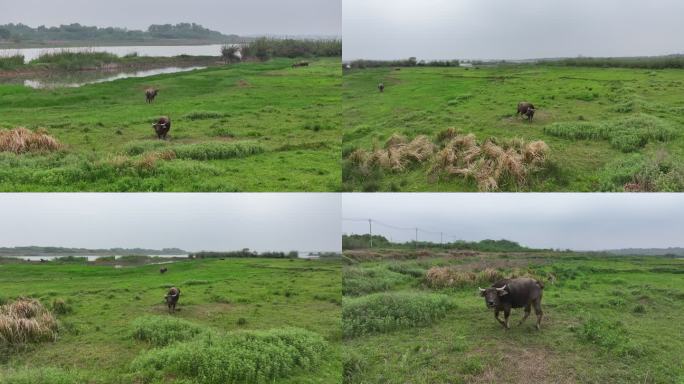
[[448, 277], [26, 321], [490, 164], [149, 160], [398, 153], [22, 140]]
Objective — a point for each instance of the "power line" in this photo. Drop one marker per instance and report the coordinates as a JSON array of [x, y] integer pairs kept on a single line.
[[416, 230]]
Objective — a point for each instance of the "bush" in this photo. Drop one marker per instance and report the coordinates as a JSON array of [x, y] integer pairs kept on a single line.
[[610, 335], [213, 151], [162, 330], [239, 357], [76, 59], [385, 312], [443, 277], [11, 62], [264, 48], [360, 281]]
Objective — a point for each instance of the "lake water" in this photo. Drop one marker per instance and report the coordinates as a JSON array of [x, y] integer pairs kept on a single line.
[[90, 257], [141, 50], [80, 79]]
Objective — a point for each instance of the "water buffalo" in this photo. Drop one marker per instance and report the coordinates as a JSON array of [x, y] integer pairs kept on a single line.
[[150, 94], [162, 127], [163, 270], [381, 87], [300, 64], [514, 293], [172, 299], [526, 109]]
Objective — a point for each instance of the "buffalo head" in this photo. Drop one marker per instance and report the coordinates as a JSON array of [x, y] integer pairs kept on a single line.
[[492, 296]]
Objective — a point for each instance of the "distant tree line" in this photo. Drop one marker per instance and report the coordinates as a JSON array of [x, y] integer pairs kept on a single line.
[[410, 62], [653, 62], [58, 251], [363, 242], [77, 32], [243, 253], [264, 48]]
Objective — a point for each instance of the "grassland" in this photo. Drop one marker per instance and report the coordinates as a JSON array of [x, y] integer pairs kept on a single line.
[[114, 326], [244, 127], [607, 129], [607, 319]]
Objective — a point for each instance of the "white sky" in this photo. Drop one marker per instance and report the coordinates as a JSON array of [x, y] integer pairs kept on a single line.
[[193, 222], [504, 29], [242, 17], [580, 221]]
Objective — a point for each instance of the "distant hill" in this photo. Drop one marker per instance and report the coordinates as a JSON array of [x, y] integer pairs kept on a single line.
[[75, 34], [60, 251], [648, 251]]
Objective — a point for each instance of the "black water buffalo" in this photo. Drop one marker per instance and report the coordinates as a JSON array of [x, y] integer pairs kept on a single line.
[[526, 109], [162, 127], [514, 293], [381, 87], [163, 270], [150, 94], [300, 64], [172, 298]]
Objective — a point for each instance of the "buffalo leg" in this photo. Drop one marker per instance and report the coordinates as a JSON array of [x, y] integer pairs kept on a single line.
[[538, 312], [496, 316], [528, 309], [507, 314]]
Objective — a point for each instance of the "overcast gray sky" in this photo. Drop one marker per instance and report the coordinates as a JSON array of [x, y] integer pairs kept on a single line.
[[580, 221], [504, 29], [242, 17], [260, 221]]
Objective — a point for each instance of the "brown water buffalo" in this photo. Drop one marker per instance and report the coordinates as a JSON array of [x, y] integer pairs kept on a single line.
[[381, 87], [162, 127], [514, 293], [163, 270], [526, 109], [150, 94], [300, 64], [172, 299]]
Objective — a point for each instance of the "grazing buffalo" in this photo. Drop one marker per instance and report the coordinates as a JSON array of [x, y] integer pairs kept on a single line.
[[381, 87], [514, 293], [163, 270], [150, 94], [526, 109], [172, 299], [300, 64], [162, 127]]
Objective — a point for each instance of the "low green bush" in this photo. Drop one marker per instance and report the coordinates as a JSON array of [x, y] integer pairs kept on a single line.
[[212, 151], [358, 280], [163, 330], [386, 312]]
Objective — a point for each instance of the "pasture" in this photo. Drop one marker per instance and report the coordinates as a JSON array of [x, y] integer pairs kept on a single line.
[[253, 126], [606, 129], [606, 319], [237, 320]]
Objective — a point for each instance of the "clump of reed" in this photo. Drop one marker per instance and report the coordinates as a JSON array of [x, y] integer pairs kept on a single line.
[[397, 155], [26, 321], [452, 277], [22, 140]]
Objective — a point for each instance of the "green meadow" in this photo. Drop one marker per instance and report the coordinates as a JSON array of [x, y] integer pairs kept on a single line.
[[253, 126], [237, 321], [417, 317], [606, 129]]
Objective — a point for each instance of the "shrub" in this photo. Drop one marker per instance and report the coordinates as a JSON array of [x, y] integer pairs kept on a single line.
[[162, 330], [76, 59], [11, 62], [22, 140], [26, 321], [212, 151], [609, 335], [239, 357], [385, 312], [443, 277], [406, 269], [360, 281]]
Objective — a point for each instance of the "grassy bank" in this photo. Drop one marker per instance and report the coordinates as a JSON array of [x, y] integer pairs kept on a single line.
[[243, 127], [606, 319], [602, 129], [246, 320]]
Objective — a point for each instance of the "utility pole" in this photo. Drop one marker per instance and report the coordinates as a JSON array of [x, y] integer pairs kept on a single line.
[[416, 238], [370, 229], [441, 243]]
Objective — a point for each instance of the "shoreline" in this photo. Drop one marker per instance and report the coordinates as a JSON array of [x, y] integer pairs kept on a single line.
[[118, 43]]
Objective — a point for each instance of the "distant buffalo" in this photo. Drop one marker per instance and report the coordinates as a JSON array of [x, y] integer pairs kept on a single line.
[[163, 270], [381, 87], [150, 94], [162, 127], [526, 109], [514, 293], [300, 64], [172, 299]]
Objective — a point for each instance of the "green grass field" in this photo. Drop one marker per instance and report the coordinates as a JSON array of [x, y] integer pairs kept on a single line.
[[605, 127], [243, 127], [95, 343], [606, 319]]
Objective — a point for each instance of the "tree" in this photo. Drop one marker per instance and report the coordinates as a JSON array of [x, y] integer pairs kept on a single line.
[[230, 53], [5, 34]]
